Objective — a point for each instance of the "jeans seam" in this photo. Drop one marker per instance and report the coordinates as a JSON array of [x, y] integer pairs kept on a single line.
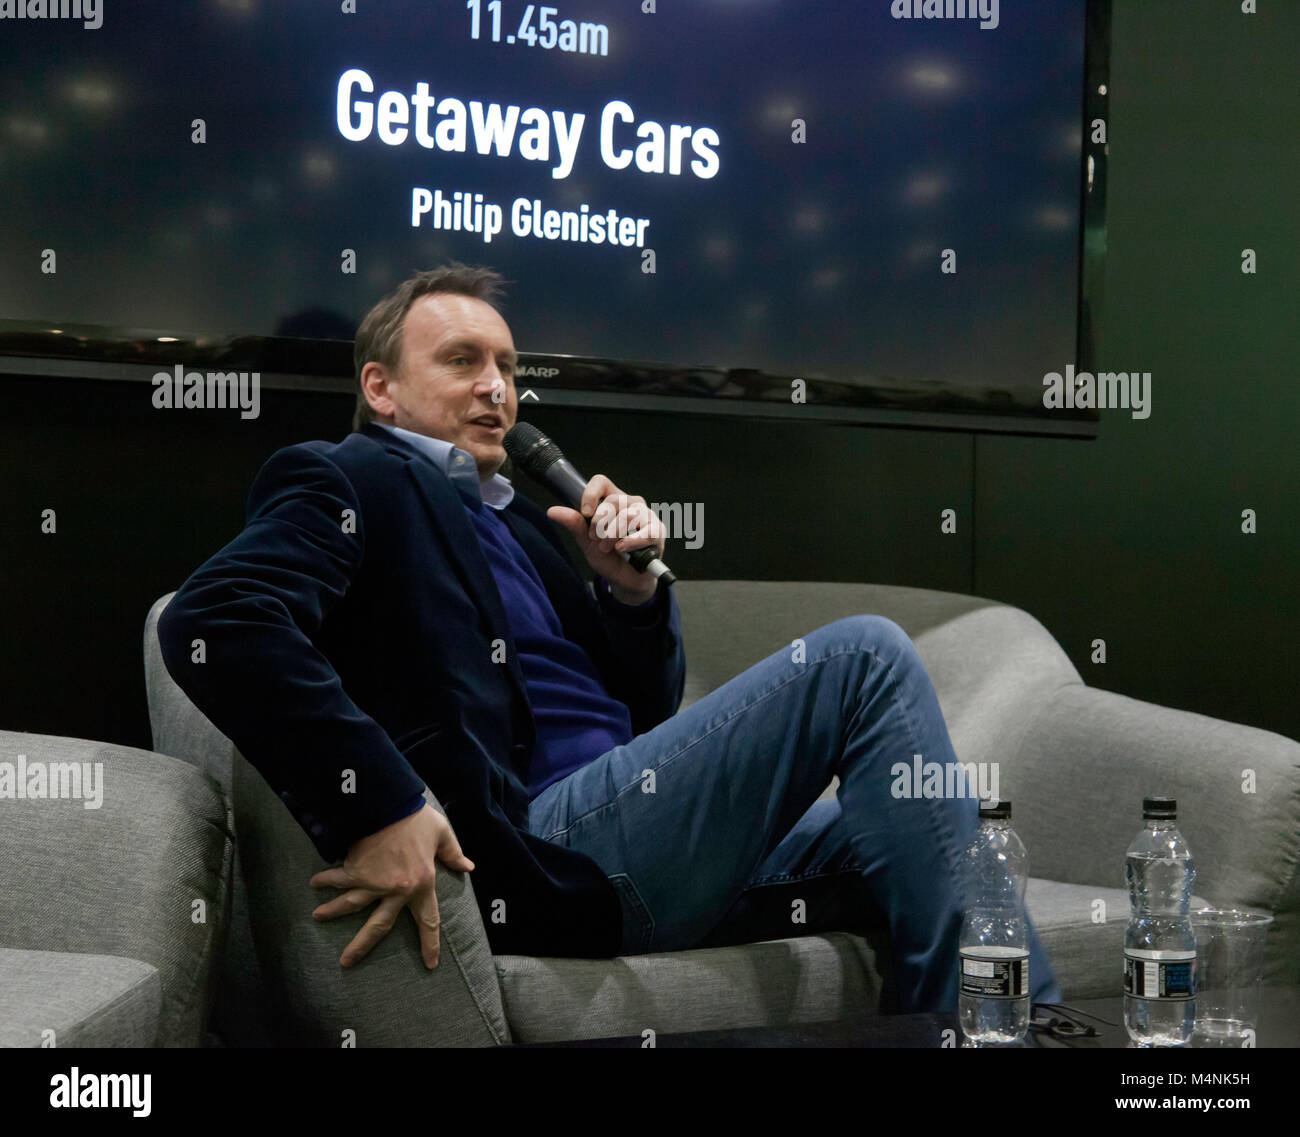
[[640, 909]]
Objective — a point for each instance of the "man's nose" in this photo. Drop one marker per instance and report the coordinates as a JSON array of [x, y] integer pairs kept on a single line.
[[494, 385]]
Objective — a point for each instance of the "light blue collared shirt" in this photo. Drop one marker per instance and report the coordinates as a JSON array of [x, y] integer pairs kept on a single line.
[[459, 467]]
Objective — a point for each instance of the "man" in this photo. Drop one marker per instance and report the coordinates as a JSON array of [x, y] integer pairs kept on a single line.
[[394, 615]]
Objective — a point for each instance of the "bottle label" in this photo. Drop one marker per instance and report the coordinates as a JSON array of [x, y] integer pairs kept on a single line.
[[994, 976], [1159, 974]]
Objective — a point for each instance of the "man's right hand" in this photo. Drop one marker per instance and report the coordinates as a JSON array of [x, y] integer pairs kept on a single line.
[[395, 866]]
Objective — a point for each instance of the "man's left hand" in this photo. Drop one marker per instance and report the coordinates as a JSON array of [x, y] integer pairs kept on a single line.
[[610, 522]]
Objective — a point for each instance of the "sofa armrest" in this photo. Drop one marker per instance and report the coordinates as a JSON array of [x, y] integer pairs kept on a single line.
[[389, 998], [1087, 757], [113, 851]]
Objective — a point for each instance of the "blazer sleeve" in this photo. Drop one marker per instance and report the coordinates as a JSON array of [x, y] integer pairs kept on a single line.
[[238, 638], [649, 668]]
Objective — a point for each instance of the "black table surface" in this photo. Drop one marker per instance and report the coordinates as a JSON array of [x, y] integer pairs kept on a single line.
[[1279, 1026]]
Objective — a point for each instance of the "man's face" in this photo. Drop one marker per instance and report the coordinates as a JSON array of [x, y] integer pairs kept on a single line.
[[457, 370]]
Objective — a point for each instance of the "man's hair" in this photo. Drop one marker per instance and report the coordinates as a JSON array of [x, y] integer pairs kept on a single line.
[[379, 338]]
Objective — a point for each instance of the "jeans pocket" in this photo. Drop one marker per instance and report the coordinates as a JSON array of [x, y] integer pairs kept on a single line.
[[638, 923]]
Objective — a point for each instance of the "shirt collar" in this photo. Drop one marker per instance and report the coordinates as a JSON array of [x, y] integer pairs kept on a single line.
[[459, 467]]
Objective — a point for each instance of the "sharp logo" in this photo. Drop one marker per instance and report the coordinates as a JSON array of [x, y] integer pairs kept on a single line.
[[537, 372]]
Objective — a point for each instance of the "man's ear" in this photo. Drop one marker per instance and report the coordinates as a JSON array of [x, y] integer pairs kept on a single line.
[[375, 380]]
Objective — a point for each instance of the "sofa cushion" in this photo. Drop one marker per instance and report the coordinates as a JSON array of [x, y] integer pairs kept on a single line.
[[781, 982], [773, 983], [62, 999]]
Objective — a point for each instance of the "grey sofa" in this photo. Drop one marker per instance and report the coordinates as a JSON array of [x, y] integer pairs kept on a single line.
[[1075, 760], [111, 916]]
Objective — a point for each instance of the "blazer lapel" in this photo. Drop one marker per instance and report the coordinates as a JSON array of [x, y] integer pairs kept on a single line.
[[447, 510]]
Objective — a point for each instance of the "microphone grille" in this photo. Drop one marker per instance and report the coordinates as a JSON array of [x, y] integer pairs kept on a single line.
[[530, 449]]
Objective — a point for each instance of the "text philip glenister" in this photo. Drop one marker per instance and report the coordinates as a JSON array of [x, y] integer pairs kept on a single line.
[[467, 212]]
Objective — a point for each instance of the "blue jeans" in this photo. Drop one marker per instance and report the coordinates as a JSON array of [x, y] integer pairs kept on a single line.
[[710, 827]]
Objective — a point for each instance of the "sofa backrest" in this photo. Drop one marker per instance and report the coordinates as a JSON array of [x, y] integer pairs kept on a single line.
[[987, 660], [178, 727]]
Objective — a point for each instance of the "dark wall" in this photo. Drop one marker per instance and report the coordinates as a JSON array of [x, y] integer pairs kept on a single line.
[[1134, 539], [1137, 538]]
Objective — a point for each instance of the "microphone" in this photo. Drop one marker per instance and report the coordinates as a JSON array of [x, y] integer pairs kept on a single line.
[[542, 460]]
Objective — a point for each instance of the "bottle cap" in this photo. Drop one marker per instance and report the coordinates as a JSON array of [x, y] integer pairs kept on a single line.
[[995, 810], [1159, 809]]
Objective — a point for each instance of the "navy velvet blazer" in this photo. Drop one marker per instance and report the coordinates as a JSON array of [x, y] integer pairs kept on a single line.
[[350, 627]]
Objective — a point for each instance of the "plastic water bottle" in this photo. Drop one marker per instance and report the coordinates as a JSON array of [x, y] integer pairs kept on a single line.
[[993, 976], [1160, 945]]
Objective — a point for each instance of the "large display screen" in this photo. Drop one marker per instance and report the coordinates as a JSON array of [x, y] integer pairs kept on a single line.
[[862, 191]]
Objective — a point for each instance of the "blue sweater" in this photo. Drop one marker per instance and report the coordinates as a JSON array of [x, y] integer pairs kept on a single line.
[[577, 719]]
